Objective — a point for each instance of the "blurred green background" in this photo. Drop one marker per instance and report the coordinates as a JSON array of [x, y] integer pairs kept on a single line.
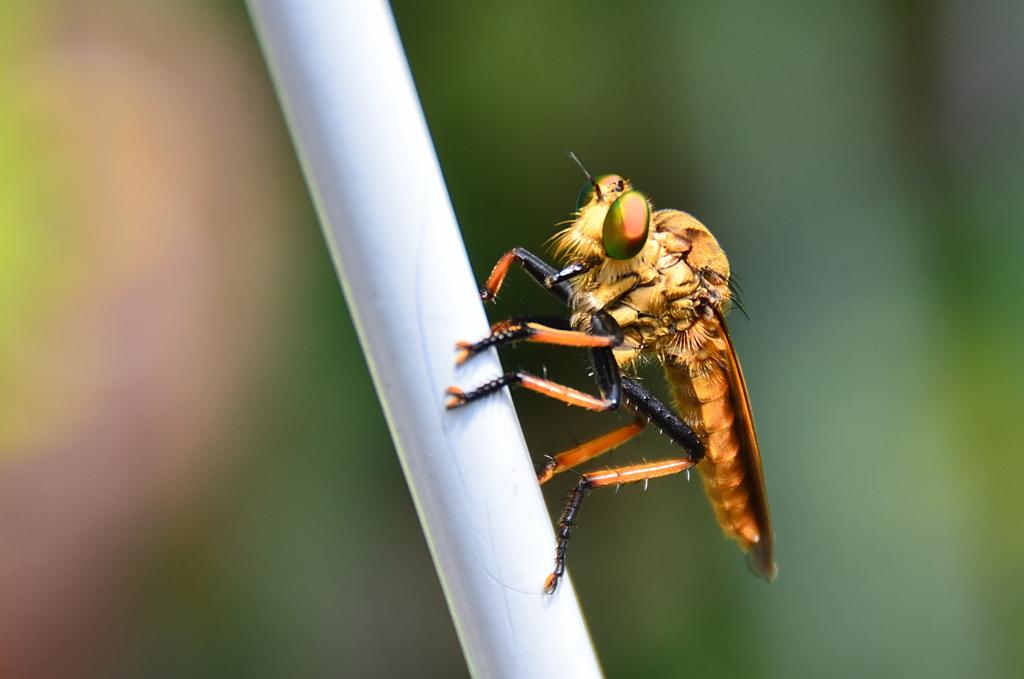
[[195, 475]]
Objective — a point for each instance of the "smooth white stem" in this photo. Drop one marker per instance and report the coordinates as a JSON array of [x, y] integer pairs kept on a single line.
[[351, 107]]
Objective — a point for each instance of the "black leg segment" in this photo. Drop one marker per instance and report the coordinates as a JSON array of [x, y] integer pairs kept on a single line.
[[565, 526], [641, 401]]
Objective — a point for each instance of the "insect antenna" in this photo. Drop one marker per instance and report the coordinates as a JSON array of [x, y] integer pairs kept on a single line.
[[579, 163], [590, 178]]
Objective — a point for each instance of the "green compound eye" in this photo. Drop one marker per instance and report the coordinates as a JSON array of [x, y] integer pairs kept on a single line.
[[607, 182], [626, 226]]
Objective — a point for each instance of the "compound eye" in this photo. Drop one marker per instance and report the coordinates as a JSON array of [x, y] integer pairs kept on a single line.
[[626, 226], [606, 182]]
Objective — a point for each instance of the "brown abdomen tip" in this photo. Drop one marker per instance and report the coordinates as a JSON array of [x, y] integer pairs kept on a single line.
[[761, 563]]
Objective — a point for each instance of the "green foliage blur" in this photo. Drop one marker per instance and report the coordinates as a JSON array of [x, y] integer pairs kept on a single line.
[[862, 165]]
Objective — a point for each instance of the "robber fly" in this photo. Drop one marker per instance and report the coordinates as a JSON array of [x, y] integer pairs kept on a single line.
[[642, 282]]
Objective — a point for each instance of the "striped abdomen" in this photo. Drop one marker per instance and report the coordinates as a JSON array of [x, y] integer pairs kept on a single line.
[[711, 398]]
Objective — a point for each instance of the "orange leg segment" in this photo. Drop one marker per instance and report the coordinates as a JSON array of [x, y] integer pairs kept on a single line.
[[568, 395], [497, 276], [515, 331], [588, 450], [638, 472], [568, 338]]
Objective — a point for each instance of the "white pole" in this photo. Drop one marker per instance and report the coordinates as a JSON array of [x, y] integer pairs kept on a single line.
[[357, 126]]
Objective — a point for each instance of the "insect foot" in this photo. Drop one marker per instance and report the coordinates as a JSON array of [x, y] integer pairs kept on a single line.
[[457, 398]]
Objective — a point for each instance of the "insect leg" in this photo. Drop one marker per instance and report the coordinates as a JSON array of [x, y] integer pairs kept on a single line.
[[565, 524], [642, 402], [607, 477], [521, 378], [606, 370], [602, 359], [526, 329], [589, 450], [549, 277]]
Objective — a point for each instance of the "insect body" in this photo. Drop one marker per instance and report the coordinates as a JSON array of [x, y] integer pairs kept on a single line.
[[644, 283]]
